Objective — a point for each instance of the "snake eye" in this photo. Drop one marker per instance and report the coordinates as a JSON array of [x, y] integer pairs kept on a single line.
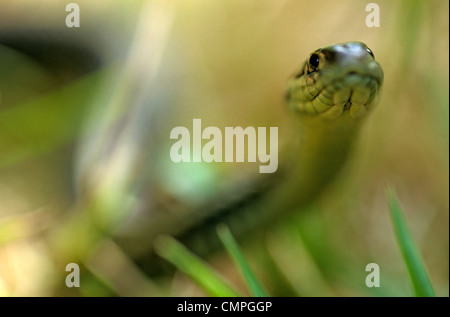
[[370, 52], [313, 62]]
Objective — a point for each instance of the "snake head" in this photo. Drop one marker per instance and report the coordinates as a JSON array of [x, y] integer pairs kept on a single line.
[[341, 79]]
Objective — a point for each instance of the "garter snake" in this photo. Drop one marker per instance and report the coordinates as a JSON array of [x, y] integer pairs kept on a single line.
[[328, 99], [330, 96]]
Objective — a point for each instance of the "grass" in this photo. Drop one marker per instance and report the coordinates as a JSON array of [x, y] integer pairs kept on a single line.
[[253, 285], [201, 273], [209, 280], [214, 285], [416, 269]]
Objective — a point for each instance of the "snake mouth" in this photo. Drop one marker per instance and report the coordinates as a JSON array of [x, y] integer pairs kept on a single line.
[[353, 93]]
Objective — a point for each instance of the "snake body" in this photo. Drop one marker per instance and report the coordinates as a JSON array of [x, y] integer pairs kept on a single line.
[[328, 97]]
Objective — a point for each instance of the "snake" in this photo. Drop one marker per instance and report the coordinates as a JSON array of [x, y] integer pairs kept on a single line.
[[328, 99], [330, 96]]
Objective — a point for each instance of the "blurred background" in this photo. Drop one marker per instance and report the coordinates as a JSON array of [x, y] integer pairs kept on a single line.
[[86, 114]]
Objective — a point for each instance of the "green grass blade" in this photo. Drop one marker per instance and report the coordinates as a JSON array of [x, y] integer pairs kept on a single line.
[[187, 262], [44, 123], [417, 272], [232, 247]]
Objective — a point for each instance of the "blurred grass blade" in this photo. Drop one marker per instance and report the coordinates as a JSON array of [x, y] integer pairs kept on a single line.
[[417, 272], [232, 247], [187, 262], [44, 123]]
